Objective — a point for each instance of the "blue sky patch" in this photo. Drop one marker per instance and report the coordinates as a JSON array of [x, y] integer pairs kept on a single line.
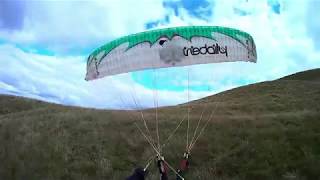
[[274, 5], [240, 12], [176, 79], [200, 8], [2, 41], [36, 50], [171, 79], [153, 24]]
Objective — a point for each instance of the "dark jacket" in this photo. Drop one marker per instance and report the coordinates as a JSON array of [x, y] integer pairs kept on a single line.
[[138, 174]]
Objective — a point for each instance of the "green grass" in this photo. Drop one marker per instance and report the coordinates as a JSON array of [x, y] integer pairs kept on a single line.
[[269, 130]]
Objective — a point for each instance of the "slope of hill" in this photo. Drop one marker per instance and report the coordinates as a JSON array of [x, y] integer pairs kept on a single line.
[[310, 75], [269, 130]]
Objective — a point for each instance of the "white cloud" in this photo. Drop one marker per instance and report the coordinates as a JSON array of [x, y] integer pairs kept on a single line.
[[66, 25], [61, 80], [282, 41]]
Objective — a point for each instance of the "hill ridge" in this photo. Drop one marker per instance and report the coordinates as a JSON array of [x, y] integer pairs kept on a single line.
[[268, 130]]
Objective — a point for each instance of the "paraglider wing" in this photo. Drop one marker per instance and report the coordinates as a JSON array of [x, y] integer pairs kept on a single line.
[[179, 46]]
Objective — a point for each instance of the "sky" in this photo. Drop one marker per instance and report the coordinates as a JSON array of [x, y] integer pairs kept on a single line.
[[44, 46]]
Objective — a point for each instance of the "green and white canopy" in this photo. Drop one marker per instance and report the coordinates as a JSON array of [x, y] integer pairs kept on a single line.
[[170, 47]]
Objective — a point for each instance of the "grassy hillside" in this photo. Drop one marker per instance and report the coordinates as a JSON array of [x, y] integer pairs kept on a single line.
[[269, 130]]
